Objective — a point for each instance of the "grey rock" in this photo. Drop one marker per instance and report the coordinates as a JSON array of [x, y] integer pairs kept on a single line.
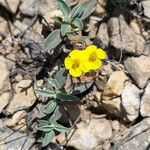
[[10, 5], [145, 102], [146, 7], [131, 101], [23, 99], [114, 85], [14, 141], [122, 37], [135, 138], [139, 69], [34, 7], [89, 135], [102, 35]]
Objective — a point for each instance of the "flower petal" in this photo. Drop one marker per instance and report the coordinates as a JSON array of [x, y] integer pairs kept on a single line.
[[94, 65], [101, 54], [91, 48], [75, 72], [75, 53], [68, 62]]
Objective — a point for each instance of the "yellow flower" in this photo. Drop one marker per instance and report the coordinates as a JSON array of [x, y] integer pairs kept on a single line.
[[74, 63], [93, 56]]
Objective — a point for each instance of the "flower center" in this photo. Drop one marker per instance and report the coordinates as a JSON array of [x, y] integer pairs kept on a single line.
[[93, 57], [75, 64]]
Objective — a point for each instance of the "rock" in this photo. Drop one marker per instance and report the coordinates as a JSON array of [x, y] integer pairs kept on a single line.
[[23, 99], [92, 27], [135, 138], [147, 49], [139, 69], [115, 125], [146, 6], [131, 101], [114, 85], [102, 35], [5, 68], [135, 27], [16, 140], [113, 106], [4, 78], [89, 135], [4, 100], [122, 37], [10, 5], [11, 122], [48, 9], [18, 27], [3, 26], [145, 102]]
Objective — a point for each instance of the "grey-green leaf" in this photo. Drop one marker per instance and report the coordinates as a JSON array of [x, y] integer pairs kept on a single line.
[[65, 28], [50, 107], [66, 97], [46, 93], [65, 9], [78, 23], [53, 40], [79, 88], [48, 138], [43, 123], [61, 77], [53, 83], [83, 10], [60, 128], [46, 128], [56, 115]]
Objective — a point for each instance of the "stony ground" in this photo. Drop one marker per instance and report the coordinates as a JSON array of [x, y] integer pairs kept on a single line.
[[114, 114]]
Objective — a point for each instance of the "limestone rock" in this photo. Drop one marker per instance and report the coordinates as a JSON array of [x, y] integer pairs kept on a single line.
[[146, 6], [88, 135], [112, 106], [115, 85], [11, 122], [102, 34], [16, 140], [10, 5], [135, 138], [122, 37], [131, 101], [4, 100], [23, 99], [3, 26], [139, 69], [145, 102], [4, 78], [46, 8]]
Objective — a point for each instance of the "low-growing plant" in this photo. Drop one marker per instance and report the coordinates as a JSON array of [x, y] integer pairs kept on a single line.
[[70, 23], [56, 93]]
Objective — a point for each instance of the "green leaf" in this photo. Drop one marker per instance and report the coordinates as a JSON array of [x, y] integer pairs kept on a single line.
[[61, 128], [43, 123], [65, 28], [65, 9], [53, 83], [48, 138], [78, 23], [61, 77], [79, 88], [83, 10], [50, 107], [46, 128], [56, 115], [46, 93], [53, 40], [66, 97]]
